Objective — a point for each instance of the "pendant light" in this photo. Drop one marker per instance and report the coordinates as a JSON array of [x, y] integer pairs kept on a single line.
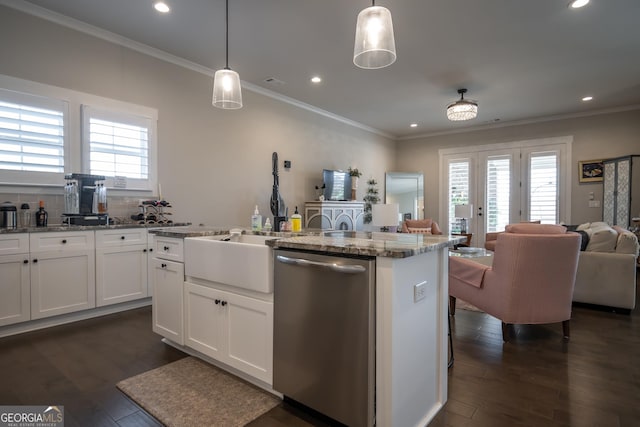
[[463, 109], [375, 46], [227, 93]]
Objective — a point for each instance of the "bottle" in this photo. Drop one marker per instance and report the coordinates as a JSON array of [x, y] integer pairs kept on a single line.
[[256, 220], [267, 225], [41, 216], [296, 221], [25, 216], [102, 199]]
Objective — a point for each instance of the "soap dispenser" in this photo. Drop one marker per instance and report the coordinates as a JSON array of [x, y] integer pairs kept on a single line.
[[296, 221], [256, 220]]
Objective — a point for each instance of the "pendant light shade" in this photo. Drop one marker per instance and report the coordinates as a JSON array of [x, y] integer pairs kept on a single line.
[[375, 46], [227, 92], [462, 109]]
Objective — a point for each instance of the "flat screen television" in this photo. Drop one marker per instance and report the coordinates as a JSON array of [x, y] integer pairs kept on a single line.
[[337, 185]]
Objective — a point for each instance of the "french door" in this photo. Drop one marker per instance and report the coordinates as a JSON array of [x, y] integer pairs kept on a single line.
[[506, 183]]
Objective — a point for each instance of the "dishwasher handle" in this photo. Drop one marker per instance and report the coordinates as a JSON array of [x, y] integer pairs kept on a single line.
[[348, 269]]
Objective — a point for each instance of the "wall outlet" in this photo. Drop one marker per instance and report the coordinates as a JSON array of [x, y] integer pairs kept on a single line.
[[419, 291]]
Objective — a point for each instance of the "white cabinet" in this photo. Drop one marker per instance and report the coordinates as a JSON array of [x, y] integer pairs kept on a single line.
[[167, 278], [232, 328], [15, 305], [62, 272], [121, 265]]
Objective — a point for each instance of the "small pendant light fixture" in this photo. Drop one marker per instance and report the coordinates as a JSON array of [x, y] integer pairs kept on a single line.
[[227, 92], [462, 109], [375, 46]]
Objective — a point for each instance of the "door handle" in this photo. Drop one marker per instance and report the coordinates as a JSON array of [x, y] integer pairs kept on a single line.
[[348, 269]]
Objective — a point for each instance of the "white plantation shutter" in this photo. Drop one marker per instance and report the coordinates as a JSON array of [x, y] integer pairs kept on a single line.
[[458, 189], [543, 187], [498, 193], [32, 133], [117, 144]]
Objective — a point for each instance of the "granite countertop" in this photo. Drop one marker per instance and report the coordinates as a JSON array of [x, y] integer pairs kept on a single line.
[[205, 230], [64, 227], [393, 245]]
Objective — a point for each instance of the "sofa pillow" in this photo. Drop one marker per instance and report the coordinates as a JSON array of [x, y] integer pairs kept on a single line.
[[530, 228], [583, 227], [627, 241], [602, 239], [425, 230]]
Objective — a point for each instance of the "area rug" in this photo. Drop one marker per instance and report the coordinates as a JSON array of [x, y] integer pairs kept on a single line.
[[190, 392]]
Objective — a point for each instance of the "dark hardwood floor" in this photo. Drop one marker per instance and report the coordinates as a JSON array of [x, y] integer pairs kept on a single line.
[[535, 380]]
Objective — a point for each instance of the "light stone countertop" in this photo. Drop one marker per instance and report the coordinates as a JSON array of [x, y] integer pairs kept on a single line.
[[64, 227], [377, 244]]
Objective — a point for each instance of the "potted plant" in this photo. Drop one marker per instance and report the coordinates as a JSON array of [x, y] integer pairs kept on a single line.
[[371, 198], [355, 174]]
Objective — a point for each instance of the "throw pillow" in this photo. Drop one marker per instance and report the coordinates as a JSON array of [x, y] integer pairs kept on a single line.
[[531, 228], [426, 230], [602, 239], [627, 241]]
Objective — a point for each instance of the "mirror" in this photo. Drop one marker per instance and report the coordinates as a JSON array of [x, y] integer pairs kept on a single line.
[[407, 190]]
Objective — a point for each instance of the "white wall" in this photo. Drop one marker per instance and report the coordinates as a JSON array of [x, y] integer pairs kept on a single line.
[[595, 137], [214, 165]]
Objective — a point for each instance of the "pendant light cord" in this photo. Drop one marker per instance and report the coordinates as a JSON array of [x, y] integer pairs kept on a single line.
[[227, 35]]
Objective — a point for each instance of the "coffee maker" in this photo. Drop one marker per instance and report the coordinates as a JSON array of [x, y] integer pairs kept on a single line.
[[85, 200]]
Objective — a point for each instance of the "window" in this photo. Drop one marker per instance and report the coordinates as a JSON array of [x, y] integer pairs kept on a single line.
[[498, 193], [117, 144], [32, 136], [458, 189], [543, 187]]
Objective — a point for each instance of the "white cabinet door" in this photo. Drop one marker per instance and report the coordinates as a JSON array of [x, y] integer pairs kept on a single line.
[[15, 305], [234, 329], [168, 279], [62, 282], [150, 244], [204, 319], [121, 274], [249, 328]]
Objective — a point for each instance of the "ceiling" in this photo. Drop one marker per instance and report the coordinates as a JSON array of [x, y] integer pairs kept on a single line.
[[521, 60]]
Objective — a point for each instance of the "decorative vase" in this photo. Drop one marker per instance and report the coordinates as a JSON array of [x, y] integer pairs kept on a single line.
[[354, 182]]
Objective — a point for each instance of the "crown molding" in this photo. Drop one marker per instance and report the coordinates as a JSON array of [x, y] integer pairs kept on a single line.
[[524, 122], [109, 36]]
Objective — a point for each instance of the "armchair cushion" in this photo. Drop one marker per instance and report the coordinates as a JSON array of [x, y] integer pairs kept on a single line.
[[467, 271], [535, 228]]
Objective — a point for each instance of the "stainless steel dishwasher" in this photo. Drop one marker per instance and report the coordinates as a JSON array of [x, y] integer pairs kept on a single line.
[[324, 334]]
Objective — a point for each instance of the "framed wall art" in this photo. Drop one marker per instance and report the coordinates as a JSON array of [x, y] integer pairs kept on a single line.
[[591, 170]]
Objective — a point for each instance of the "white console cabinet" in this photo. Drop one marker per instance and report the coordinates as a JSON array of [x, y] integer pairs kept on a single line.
[[334, 215], [234, 329], [15, 283], [62, 272], [166, 276], [121, 265]]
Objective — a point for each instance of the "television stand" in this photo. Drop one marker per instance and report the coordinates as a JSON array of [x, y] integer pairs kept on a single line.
[[334, 215]]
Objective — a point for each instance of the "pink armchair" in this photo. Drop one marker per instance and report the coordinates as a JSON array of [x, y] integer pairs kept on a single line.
[[530, 282], [420, 226]]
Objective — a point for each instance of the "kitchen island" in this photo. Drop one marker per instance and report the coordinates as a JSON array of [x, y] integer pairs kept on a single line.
[[410, 318]]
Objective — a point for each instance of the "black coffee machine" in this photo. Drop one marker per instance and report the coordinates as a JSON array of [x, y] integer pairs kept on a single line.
[[85, 209]]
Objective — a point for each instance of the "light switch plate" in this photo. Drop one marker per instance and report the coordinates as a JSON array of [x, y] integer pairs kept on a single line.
[[594, 203], [419, 291]]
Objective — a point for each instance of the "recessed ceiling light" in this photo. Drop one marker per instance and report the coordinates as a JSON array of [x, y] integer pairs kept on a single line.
[[316, 79], [576, 4], [587, 98], [161, 7], [413, 125]]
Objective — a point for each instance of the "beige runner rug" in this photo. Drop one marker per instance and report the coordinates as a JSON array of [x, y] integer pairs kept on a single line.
[[190, 392]]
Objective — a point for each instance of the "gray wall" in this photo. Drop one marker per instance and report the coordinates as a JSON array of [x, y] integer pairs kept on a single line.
[[214, 165], [596, 137]]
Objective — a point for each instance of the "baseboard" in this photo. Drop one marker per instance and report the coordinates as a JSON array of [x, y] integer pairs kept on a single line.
[[47, 322]]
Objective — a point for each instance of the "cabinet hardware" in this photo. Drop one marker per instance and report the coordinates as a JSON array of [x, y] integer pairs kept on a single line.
[[64, 241], [122, 237], [150, 249], [163, 265], [35, 260], [144, 250], [217, 301], [166, 248], [26, 261], [223, 303]]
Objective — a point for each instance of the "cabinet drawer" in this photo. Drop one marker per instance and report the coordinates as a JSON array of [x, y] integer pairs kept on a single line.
[[62, 241], [121, 237], [14, 243], [169, 248]]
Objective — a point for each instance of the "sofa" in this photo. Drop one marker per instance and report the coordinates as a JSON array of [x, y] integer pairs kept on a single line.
[[606, 267]]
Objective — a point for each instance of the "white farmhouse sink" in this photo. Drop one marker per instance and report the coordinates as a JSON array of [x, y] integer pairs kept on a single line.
[[245, 261]]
